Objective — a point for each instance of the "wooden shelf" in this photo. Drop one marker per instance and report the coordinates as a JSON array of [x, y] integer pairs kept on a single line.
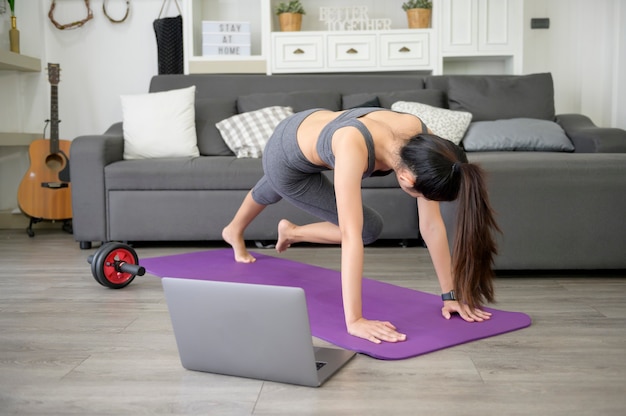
[[11, 61], [240, 64], [17, 139]]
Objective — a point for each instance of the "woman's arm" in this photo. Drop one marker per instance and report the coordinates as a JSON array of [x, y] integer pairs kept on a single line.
[[350, 163], [433, 232]]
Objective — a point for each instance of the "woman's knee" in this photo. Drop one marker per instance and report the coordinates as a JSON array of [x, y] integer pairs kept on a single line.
[[264, 194]]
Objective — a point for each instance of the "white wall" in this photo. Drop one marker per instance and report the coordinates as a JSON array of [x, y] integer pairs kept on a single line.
[[619, 98], [582, 51], [100, 61]]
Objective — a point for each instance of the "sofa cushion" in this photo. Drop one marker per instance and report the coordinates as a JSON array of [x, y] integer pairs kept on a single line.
[[521, 134], [200, 173], [297, 100], [210, 111], [502, 97], [160, 124], [386, 99], [450, 125], [247, 133]]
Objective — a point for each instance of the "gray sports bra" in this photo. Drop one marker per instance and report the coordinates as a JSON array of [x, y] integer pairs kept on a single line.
[[351, 118]]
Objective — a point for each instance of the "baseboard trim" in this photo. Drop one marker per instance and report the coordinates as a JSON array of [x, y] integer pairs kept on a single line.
[[15, 221]]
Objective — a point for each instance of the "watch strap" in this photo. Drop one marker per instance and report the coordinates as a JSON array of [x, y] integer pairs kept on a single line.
[[448, 296]]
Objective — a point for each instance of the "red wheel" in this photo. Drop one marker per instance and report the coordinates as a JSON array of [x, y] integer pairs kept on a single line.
[[106, 265]]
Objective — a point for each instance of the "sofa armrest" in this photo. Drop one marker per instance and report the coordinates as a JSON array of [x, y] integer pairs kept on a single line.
[[88, 157], [589, 138]]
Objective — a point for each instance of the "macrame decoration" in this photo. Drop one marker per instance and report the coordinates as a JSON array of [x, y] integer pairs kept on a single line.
[[73, 25], [112, 20]]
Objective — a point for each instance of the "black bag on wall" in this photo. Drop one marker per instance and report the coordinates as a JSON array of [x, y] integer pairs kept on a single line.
[[169, 37]]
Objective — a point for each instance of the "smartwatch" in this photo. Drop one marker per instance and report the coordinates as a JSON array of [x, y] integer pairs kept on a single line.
[[448, 296]]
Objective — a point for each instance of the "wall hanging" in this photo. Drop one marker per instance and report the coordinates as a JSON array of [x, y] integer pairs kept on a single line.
[[169, 37], [73, 25], [112, 20]]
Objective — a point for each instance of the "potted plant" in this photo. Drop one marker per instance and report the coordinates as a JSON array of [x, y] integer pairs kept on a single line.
[[418, 13], [290, 16]]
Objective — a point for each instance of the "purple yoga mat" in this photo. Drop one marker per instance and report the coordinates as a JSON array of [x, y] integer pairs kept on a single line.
[[414, 313]]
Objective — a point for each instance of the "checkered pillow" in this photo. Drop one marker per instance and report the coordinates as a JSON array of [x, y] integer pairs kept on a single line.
[[247, 133]]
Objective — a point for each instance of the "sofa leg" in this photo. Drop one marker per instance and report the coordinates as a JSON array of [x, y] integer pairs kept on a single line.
[[85, 245]]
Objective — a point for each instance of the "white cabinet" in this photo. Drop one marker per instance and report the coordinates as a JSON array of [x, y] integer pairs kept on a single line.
[[482, 28], [463, 33], [358, 51], [312, 50]]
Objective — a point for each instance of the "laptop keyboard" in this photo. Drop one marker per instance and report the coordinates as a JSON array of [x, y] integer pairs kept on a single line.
[[320, 364]]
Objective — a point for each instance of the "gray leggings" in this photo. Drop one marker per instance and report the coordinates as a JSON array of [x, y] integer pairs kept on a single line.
[[289, 175]]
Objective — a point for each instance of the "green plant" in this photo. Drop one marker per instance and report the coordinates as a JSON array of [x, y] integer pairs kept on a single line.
[[294, 6], [12, 6], [417, 4]]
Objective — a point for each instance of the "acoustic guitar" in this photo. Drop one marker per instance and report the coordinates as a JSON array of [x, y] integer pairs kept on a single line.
[[45, 190]]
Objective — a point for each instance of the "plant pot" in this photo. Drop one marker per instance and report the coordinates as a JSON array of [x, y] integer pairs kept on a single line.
[[418, 18], [14, 36], [290, 22]]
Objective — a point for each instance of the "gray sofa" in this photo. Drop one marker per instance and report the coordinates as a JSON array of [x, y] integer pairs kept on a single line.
[[557, 210]]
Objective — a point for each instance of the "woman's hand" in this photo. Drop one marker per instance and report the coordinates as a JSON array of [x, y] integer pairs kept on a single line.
[[476, 315], [375, 331]]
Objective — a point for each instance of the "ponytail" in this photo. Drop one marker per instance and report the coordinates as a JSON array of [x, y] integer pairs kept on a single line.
[[442, 173], [474, 244]]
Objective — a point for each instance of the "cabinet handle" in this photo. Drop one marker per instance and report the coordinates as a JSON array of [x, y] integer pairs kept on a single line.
[[404, 49], [352, 51], [298, 52]]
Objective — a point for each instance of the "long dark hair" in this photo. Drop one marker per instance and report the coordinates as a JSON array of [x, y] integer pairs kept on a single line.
[[443, 173]]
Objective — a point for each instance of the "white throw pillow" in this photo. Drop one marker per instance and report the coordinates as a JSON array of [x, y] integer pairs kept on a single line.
[[448, 124], [160, 124], [247, 133]]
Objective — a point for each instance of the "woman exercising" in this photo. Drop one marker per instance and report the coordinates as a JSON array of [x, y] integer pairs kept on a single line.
[[364, 142]]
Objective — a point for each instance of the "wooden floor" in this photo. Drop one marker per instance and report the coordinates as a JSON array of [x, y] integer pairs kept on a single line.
[[69, 346]]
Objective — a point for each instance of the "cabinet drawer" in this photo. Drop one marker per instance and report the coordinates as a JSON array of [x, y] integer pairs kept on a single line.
[[293, 52], [358, 51], [405, 49]]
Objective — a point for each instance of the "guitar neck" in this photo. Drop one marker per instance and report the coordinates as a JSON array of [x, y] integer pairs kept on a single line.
[[54, 119]]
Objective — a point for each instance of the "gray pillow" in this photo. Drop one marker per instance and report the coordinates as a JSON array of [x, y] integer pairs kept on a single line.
[[503, 97], [208, 112], [521, 134], [433, 98], [297, 100]]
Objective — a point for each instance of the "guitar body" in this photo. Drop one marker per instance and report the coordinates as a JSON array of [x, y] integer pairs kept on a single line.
[[43, 193]]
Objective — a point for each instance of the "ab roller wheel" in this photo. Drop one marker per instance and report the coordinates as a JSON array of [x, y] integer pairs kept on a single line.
[[115, 265]]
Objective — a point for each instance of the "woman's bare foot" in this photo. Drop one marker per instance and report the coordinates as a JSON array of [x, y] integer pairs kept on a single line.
[[285, 233], [238, 244]]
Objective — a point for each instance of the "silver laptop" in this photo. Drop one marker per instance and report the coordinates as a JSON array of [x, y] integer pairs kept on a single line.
[[247, 330]]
